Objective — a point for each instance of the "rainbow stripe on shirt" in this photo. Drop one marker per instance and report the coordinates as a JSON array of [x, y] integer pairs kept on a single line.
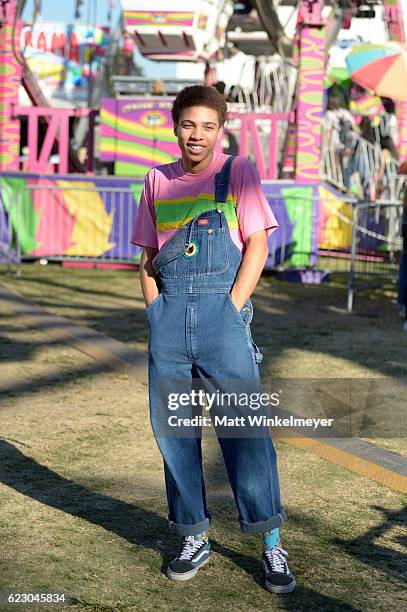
[[172, 214]]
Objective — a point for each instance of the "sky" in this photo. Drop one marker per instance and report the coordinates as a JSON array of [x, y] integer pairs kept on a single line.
[[96, 11], [64, 10]]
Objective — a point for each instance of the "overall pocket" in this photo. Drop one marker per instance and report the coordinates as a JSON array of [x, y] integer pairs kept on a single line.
[[245, 317], [206, 253], [152, 304], [207, 256], [245, 314], [164, 263]]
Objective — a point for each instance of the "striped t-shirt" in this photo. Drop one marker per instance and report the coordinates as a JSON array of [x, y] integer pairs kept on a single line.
[[171, 197]]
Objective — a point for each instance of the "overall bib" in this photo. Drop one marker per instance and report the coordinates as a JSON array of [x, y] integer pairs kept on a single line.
[[196, 332]]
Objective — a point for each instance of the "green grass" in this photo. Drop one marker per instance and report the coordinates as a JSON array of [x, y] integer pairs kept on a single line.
[[83, 504]]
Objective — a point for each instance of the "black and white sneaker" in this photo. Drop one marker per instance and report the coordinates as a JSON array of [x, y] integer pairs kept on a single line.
[[279, 579], [193, 554]]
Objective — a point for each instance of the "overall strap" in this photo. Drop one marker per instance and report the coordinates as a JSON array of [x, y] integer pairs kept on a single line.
[[222, 180]]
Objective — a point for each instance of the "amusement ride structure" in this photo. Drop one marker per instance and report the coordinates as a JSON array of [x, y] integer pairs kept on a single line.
[[288, 80], [276, 119]]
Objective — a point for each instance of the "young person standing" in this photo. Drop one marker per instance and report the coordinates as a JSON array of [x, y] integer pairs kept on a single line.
[[203, 222]]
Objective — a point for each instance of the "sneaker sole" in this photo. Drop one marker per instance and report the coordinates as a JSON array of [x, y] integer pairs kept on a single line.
[[186, 575], [286, 588]]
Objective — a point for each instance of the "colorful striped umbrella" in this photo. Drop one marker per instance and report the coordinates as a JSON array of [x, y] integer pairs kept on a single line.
[[382, 68]]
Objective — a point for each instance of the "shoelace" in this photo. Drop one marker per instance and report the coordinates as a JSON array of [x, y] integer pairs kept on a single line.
[[277, 558], [190, 546]]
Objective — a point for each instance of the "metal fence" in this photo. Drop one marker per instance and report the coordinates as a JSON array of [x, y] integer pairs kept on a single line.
[[376, 246], [319, 234], [356, 243], [314, 234], [360, 169], [71, 223], [397, 187]]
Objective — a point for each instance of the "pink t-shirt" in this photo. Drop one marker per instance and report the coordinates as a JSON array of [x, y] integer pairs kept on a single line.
[[171, 197]]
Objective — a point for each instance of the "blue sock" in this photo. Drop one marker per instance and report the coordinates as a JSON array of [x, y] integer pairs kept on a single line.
[[271, 538]]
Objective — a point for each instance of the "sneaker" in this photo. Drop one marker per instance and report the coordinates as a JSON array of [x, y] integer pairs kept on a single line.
[[193, 555], [279, 579]]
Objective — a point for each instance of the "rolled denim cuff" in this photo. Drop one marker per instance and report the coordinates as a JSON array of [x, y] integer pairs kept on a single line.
[[274, 521], [186, 530]]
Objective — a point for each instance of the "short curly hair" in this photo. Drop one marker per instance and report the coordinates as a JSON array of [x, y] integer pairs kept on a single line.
[[199, 95]]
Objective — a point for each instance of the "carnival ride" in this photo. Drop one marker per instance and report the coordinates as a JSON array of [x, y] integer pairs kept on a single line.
[[179, 30], [276, 120], [288, 40]]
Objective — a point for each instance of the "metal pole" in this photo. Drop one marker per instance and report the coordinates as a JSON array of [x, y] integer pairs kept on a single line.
[[10, 239], [351, 285], [18, 235]]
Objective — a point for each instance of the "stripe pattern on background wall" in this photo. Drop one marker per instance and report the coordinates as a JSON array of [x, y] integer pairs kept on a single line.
[[137, 134]]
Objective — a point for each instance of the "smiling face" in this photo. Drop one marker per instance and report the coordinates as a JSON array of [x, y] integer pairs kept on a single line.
[[197, 131]]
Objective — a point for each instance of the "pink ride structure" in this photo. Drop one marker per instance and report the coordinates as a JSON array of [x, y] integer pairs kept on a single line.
[[396, 27], [14, 71], [191, 32]]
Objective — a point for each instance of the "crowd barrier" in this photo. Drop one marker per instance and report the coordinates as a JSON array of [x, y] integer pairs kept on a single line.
[[376, 246], [319, 234], [72, 222]]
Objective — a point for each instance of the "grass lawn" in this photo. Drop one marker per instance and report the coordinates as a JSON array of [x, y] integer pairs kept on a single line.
[[83, 505], [303, 331]]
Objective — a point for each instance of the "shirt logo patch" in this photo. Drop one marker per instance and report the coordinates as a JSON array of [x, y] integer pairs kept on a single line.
[[203, 221]]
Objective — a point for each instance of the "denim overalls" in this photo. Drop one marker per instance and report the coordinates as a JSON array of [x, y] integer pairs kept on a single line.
[[196, 332]]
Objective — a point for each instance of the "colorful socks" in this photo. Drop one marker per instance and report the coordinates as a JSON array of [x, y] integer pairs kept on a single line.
[[271, 538], [203, 536]]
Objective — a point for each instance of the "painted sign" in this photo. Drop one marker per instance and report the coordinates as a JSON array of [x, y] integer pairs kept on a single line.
[[64, 57], [137, 134], [158, 18], [70, 217]]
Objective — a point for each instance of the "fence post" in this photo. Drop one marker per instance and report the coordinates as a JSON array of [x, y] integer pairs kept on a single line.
[[18, 235], [351, 287], [10, 240]]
